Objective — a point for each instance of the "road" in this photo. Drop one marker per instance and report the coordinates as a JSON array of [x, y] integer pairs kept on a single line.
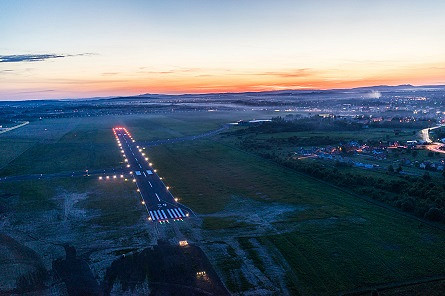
[[160, 204], [8, 129], [432, 146]]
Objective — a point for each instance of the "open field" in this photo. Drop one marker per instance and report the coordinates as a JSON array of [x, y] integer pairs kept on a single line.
[[264, 227], [71, 144], [331, 240]]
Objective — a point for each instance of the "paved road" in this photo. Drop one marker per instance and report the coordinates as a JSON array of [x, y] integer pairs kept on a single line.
[[4, 130], [183, 139], [155, 196]]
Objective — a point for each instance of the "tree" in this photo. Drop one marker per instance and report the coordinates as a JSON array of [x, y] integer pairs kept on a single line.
[[399, 169]]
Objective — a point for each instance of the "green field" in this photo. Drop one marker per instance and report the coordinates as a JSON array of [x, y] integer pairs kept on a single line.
[[73, 144], [341, 242], [323, 239]]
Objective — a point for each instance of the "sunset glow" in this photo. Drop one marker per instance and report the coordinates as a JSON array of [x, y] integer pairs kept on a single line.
[[107, 48]]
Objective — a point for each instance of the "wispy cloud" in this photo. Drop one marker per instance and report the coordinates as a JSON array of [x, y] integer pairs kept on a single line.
[[169, 71], [36, 91], [17, 58], [295, 73]]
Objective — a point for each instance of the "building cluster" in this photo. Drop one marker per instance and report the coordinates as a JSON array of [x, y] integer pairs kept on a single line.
[[347, 153]]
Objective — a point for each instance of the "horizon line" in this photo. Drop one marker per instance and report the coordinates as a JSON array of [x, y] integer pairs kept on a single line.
[[225, 93]]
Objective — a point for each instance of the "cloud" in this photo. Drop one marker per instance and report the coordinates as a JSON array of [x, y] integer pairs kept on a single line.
[[36, 91], [169, 71], [295, 73], [17, 58]]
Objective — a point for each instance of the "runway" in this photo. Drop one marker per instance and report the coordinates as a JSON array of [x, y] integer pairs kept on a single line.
[[160, 204]]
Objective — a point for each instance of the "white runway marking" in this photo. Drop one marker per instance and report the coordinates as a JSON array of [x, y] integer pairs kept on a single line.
[[179, 209], [160, 215], [176, 211], [154, 212], [168, 211], [174, 214]]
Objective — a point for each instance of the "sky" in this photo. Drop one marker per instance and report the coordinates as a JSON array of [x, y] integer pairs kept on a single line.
[[78, 49]]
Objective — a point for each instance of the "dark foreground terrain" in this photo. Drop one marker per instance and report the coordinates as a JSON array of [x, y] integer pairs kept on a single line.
[[169, 270]]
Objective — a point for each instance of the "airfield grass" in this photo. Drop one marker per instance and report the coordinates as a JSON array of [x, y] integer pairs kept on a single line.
[[164, 126], [109, 203], [7, 154], [342, 242], [77, 144], [206, 174], [117, 203], [18, 141], [338, 243]]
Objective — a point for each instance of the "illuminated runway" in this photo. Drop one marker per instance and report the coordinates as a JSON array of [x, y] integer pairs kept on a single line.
[[160, 204]]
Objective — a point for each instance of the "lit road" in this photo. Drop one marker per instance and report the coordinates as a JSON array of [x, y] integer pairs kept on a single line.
[[432, 146], [160, 204]]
